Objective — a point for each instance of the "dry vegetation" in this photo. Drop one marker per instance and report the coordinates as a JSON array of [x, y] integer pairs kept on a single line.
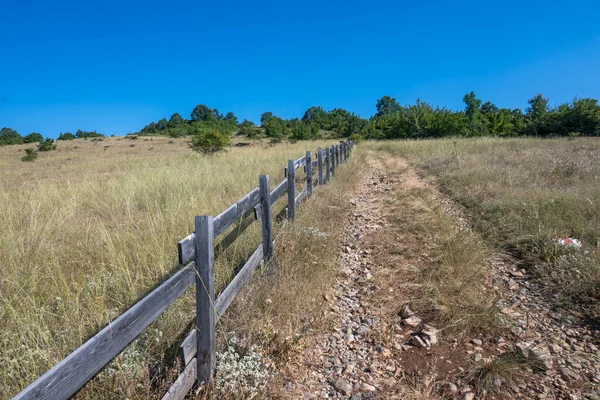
[[90, 228], [522, 195]]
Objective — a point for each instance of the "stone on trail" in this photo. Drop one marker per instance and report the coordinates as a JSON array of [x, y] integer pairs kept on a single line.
[[412, 321], [343, 386], [406, 312]]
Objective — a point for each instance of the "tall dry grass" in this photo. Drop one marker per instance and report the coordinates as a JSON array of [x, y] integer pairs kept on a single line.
[[89, 229], [523, 194]]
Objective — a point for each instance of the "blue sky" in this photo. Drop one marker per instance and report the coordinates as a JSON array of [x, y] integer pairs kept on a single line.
[[114, 66]]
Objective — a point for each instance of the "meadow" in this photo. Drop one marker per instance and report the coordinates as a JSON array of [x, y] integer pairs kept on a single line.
[[90, 228], [523, 195]]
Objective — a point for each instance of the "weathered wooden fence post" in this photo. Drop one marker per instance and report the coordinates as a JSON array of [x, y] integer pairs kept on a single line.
[[337, 155], [332, 150], [320, 164], [267, 218], [309, 173], [291, 177], [327, 164], [345, 151], [205, 299]]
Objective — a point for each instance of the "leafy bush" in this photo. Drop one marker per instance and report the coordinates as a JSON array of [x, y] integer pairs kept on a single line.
[[210, 141], [87, 134], [33, 137], [46, 145], [9, 136], [31, 155], [356, 138], [66, 136]]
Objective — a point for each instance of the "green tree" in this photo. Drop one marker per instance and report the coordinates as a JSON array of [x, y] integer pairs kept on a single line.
[[33, 137], [230, 117], [537, 115], [202, 113], [476, 125], [248, 129], [46, 145], [210, 141], [265, 117], [9, 136], [387, 106], [162, 123], [316, 115], [176, 121], [66, 136]]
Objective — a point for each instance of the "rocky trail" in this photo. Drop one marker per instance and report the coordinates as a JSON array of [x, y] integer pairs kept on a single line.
[[377, 347]]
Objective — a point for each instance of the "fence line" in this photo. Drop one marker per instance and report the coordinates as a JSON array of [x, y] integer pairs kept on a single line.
[[197, 351]]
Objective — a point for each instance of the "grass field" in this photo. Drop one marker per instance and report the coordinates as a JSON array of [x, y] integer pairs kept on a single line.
[[522, 195], [90, 228]]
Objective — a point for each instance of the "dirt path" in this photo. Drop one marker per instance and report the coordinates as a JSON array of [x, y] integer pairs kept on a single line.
[[346, 360], [374, 350]]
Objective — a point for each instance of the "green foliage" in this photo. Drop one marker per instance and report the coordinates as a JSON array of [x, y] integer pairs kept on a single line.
[[9, 136], [387, 106], [81, 134], [356, 137], [66, 136], [33, 137], [46, 145], [209, 141], [248, 129], [31, 155], [204, 113]]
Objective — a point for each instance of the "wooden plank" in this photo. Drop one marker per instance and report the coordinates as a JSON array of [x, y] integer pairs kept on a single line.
[[309, 171], [291, 190], [205, 298], [233, 213], [267, 217], [333, 164], [69, 375], [187, 349], [226, 297], [315, 163], [320, 164], [183, 384], [299, 163], [300, 196], [279, 191], [222, 221]]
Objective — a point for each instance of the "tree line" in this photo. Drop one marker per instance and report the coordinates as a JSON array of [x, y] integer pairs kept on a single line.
[[394, 121], [10, 136], [391, 121]]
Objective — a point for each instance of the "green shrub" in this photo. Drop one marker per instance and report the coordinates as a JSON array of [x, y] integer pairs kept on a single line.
[[33, 137], [46, 145], [31, 155], [66, 136], [210, 141], [356, 138]]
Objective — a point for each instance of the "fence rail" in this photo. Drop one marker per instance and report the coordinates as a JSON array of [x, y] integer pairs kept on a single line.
[[197, 351]]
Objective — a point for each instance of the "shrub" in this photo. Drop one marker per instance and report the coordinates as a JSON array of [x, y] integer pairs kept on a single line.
[[31, 155], [33, 138], [210, 141], [66, 136], [46, 145], [356, 137]]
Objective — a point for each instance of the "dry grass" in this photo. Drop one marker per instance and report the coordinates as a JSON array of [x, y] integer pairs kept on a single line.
[[449, 264], [522, 194], [87, 230]]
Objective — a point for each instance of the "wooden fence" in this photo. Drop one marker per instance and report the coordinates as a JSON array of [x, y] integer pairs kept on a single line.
[[196, 252]]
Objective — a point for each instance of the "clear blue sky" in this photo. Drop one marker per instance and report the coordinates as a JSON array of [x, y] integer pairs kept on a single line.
[[114, 66]]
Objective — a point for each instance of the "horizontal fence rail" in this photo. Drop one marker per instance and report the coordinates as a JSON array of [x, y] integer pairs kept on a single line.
[[197, 351]]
